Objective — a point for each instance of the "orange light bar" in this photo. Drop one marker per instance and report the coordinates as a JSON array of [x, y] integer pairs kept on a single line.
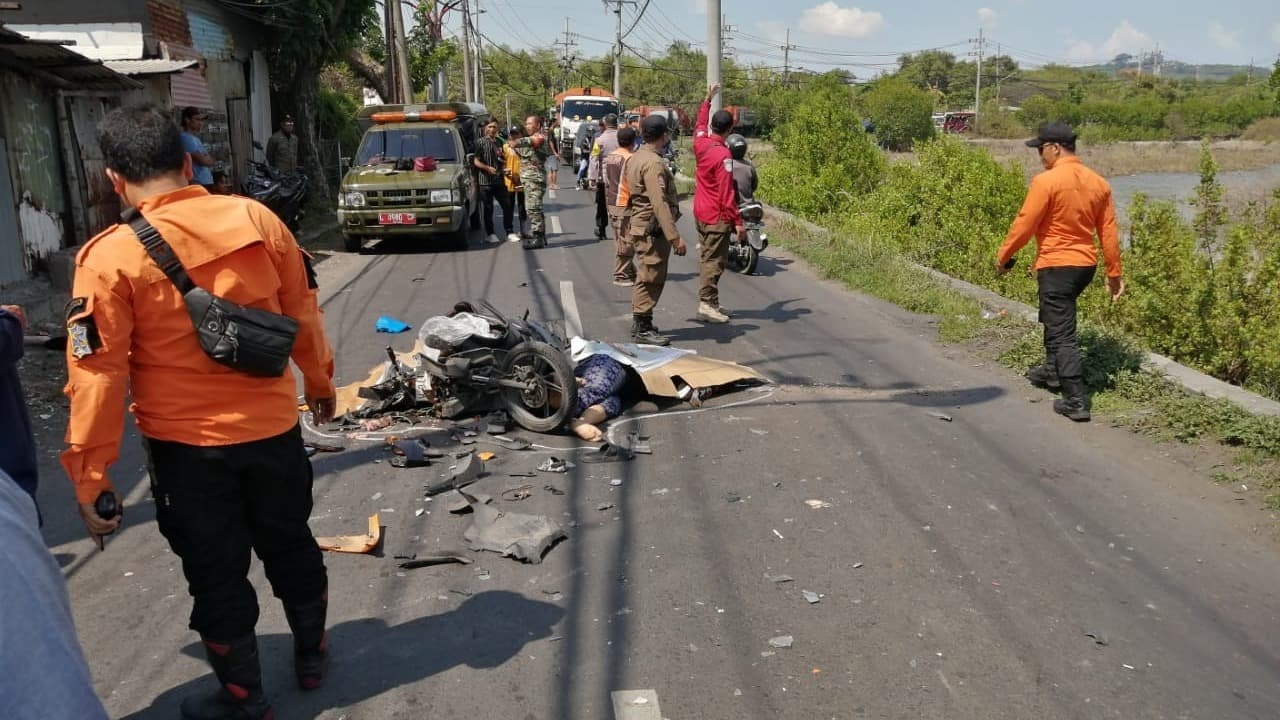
[[428, 116]]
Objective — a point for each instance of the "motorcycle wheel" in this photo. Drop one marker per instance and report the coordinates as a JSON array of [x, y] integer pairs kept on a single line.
[[742, 258], [547, 404]]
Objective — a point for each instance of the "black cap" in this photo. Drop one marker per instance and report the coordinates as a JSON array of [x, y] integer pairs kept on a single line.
[[653, 125], [1054, 132], [721, 121], [286, 118]]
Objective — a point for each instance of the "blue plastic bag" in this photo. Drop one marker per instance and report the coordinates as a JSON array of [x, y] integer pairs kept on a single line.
[[388, 324]]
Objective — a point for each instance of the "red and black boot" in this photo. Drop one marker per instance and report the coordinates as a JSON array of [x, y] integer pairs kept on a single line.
[[310, 641], [240, 697]]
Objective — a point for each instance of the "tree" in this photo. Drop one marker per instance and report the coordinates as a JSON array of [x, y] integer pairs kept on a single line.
[[931, 69], [1274, 82], [901, 113], [309, 35]]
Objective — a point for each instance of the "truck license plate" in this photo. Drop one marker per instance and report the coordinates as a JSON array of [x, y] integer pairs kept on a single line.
[[397, 219]]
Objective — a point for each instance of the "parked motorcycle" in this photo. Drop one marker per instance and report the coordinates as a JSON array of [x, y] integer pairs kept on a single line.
[[284, 193], [521, 367], [744, 251]]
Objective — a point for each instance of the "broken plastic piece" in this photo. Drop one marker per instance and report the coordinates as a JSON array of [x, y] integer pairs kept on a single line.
[[388, 324], [486, 456], [455, 503], [517, 535], [607, 453], [409, 454], [638, 444], [555, 465], [779, 578], [512, 443], [605, 506], [941, 416], [810, 597], [553, 489], [782, 641], [354, 543], [497, 422], [817, 504], [434, 560], [467, 472]]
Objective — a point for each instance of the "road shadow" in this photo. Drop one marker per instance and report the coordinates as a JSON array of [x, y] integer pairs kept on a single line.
[[769, 266], [426, 245], [777, 312], [721, 334], [369, 657]]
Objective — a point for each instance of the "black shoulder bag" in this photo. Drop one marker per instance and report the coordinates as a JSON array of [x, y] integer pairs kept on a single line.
[[255, 342]]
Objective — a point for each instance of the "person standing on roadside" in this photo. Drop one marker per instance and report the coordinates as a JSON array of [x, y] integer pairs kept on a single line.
[[715, 205], [229, 473], [616, 194], [489, 160], [654, 210], [17, 443], [553, 160], [604, 145], [201, 161], [1066, 207], [514, 211], [533, 150], [282, 148]]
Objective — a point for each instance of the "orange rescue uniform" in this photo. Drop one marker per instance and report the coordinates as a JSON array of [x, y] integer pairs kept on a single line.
[[141, 340], [1065, 207]]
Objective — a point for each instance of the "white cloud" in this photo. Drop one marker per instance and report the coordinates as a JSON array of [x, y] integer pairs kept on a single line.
[[1124, 39], [987, 17], [1223, 37], [848, 22]]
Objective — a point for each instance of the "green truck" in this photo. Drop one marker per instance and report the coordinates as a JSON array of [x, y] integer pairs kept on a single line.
[[412, 175]]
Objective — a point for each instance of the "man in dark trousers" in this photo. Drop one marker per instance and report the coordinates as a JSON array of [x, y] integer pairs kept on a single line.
[[17, 444], [715, 204], [604, 145], [229, 473], [490, 161], [655, 208], [1066, 206]]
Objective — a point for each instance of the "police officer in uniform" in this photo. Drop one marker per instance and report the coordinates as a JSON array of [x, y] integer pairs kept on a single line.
[[229, 472], [655, 208]]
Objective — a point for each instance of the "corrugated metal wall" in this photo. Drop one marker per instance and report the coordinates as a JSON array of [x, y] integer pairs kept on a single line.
[[35, 166], [102, 205]]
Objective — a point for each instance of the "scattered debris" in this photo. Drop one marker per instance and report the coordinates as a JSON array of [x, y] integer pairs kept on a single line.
[[516, 494], [517, 535], [758, 431], [1098, 638], [659, 491], [375, 423], [605, 506], [550, 488], [941, 416], [775, 532], [607, 453], [486, 456], [522, 474], [779, 578], [388, 324], [467, 472], [312, 448], [1080, 529], [354, 543], [556, 465], [511, 443], [857, 565], [1127, 666], [419, 512], [431, 560], [782, 641], [817, 504], [457, 504], [638, 444], [483, 574], [811, 597], [732, 498], [376, 497], [497, 423], [409, 454], [616, 482]]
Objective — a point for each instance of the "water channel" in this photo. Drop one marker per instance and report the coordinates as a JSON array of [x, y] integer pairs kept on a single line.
[[1241, 187]]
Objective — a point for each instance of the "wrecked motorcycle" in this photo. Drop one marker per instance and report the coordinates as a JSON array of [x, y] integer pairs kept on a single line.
[[744, 250], [520, 366]]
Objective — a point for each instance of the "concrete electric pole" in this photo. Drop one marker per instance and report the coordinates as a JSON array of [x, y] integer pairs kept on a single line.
[[468, 92], [977, 90], [617, 47], [398, 54], [714, 30]]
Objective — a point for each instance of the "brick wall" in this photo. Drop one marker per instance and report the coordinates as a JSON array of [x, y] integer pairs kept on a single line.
[[169, 22]]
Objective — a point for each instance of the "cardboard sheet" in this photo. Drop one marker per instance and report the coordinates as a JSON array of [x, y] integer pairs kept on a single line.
[[354, 543]]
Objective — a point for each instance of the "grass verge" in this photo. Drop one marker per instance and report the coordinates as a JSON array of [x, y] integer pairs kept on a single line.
[[1124, 393]]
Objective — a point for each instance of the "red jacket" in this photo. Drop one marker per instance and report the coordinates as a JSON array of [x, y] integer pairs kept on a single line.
[[714, 199]]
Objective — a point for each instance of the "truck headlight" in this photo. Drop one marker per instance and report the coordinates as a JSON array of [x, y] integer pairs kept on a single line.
[[354, 199], [441, 197]]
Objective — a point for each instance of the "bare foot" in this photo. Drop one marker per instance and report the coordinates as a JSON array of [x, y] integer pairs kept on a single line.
[[586, 431]]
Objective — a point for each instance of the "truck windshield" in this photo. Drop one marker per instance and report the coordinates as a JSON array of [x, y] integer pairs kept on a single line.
[[582, 108], [381, 146]]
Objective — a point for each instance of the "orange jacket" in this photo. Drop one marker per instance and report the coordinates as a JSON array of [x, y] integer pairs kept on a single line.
[[1065, 207], [130, 333]]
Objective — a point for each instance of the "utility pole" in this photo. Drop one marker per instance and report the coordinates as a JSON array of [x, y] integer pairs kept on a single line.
[[786, 59], [1158, 58], [438, 92], [714, 31], [401, 88], [479, 64], [617, 47], [468, 92], [996, 60], [506, 105], [566, 58], [977, 90]]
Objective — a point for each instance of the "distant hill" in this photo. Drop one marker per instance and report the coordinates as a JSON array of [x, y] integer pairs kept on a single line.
[[1172, 69]]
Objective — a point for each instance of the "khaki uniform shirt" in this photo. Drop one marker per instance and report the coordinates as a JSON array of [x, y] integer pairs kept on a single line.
[[653, 203]]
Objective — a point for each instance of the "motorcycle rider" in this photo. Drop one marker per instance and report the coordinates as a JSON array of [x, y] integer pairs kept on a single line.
[[714, 206], [604, 145], [744, 173]]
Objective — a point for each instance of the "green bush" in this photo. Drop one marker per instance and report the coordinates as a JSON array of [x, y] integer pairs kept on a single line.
[[902, 113], [823, 159]]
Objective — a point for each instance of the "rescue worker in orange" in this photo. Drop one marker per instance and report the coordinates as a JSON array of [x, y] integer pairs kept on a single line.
[[228, 470], [1066, 207], [616, 196]]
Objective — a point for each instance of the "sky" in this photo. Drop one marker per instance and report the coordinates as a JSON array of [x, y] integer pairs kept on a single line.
[[865, 36]]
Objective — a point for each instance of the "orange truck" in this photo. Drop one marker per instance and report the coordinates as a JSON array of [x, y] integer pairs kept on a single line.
[[677, 119], [578, 105]]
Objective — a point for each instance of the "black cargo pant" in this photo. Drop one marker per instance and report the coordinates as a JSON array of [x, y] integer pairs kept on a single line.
[[488, 195], [602, 210], [215, 504], [1059, 287]]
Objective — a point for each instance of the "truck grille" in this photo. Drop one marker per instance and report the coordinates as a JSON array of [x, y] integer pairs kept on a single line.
[[396, 198]]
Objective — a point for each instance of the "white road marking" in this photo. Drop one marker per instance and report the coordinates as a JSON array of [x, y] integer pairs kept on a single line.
[[635, 705], [554, 222], [569, 303], [551, 193]]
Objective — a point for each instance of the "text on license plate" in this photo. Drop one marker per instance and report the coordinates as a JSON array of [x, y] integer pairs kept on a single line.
[[397, 219]]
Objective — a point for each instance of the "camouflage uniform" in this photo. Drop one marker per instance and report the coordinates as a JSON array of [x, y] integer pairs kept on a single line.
[[533, 152]]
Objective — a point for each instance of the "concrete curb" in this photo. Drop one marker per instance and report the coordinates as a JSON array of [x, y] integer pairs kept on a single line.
[[1190, 379]]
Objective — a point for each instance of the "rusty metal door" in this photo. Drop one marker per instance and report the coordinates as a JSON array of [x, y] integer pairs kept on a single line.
[[102, 205], [12, 267], [240, 132]]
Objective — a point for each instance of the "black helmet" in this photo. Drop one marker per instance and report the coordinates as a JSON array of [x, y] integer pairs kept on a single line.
[[515, 131], [737, 146]]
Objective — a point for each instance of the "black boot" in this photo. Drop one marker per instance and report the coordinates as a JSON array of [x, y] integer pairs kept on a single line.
[[310, 641], [240, 697], [600, 233], [1074, 401], [1045, 376], [644, 332]]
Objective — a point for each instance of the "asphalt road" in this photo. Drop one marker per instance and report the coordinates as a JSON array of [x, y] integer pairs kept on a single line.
[[961, 565]]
